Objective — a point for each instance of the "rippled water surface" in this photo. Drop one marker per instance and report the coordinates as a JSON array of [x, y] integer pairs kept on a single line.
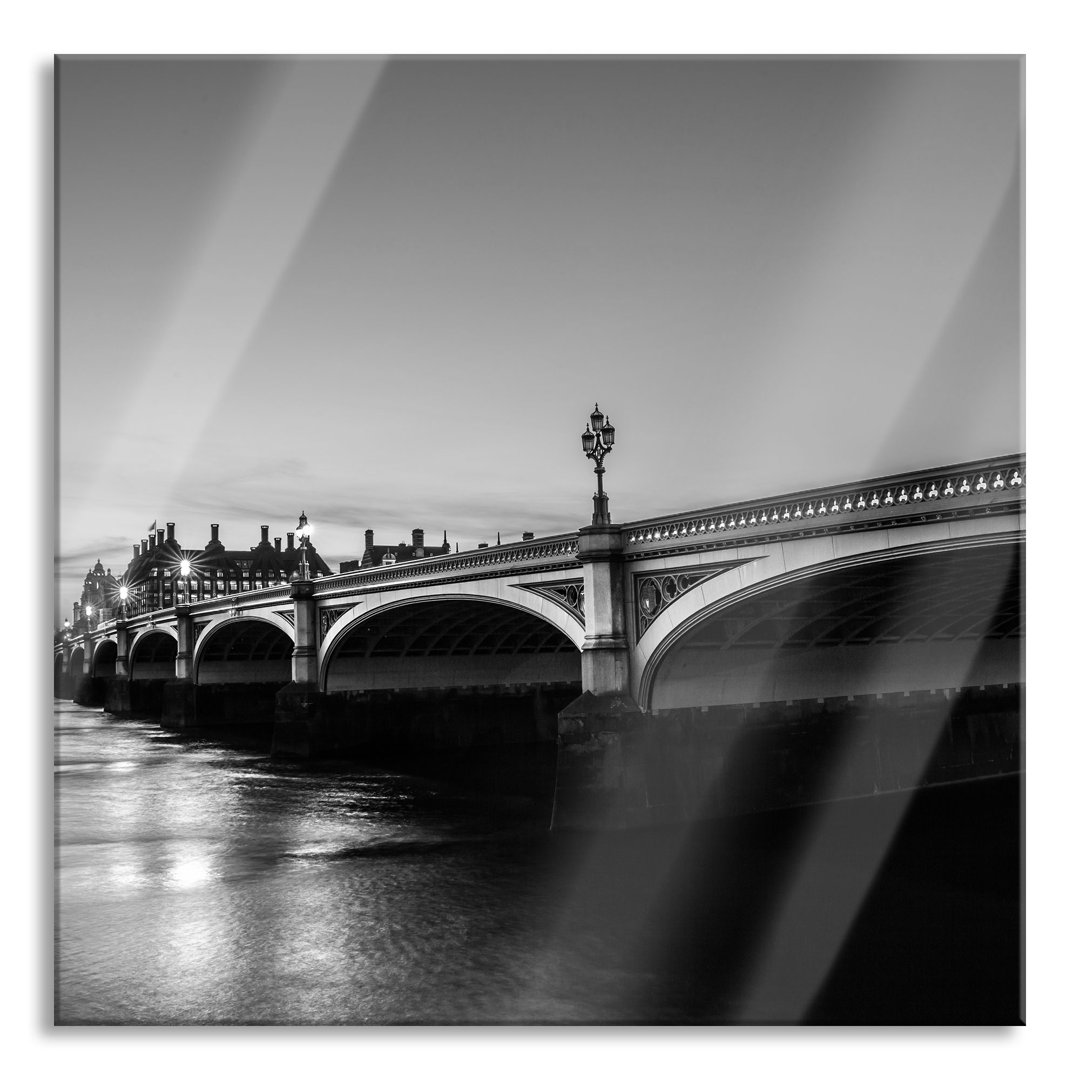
[[198, 884]]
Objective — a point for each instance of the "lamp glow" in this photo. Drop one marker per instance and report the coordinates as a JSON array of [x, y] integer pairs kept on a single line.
[[303, 531]]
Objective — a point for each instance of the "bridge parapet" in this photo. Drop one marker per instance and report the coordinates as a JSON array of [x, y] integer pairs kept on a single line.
[[993, 485], [550, 550]]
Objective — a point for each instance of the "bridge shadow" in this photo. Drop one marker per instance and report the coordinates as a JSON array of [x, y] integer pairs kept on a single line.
[[851, 862]]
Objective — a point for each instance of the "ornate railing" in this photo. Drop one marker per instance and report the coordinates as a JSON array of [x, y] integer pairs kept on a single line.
[[968, 487], [822, 507], [552, 549]]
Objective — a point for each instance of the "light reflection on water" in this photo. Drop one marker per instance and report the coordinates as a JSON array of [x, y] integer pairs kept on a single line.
[[198, 884]]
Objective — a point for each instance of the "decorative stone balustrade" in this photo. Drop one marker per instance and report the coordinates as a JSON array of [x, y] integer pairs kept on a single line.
[[550, 550], [892, 496]]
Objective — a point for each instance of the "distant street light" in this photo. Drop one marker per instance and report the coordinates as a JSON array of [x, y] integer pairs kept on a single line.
[[598, 440], [303, 531]]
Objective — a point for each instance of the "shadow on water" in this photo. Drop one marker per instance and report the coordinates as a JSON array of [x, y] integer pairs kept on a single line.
[[937, 939]]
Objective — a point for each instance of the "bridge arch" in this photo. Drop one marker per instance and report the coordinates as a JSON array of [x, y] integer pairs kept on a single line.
[[450, 638], [76, 660], [926, 616], [103, 661], [253, 648], [152, 653]]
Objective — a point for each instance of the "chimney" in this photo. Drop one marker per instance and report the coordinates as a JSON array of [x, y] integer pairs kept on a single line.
[[213, 534], [418, 542], [265, 530], [161, 535], [171, 526], [277, 544], [151, 538], [526, 536], [369, 539], [134, 551], [290, 536], [144, 547]]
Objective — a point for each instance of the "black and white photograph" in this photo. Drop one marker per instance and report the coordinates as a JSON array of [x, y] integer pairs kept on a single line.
[[539, 540]]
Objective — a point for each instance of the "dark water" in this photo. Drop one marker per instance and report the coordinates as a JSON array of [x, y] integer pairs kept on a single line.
[[198, 884]]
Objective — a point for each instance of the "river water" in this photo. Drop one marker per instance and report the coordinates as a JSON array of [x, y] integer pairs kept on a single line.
[[201, 884]]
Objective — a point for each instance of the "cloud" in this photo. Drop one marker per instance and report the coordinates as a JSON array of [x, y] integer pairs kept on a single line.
[[83, 558]]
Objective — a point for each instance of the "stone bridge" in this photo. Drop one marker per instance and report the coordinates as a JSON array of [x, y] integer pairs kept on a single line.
[[641, 649]]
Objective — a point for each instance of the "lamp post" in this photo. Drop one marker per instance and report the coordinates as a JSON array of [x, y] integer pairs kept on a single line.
[[303, 531], [124, 594], [185, 572], [598, 440]]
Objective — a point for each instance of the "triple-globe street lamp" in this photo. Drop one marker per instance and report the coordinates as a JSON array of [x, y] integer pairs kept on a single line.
[[598, 440]]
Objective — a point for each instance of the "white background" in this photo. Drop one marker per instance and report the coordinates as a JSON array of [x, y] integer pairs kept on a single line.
[[1038, 30]]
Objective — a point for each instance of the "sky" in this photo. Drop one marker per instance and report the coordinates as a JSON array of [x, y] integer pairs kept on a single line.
[[388, 291]]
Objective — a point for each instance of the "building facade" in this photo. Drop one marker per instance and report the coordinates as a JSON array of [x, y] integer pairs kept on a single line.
[[154, 578]]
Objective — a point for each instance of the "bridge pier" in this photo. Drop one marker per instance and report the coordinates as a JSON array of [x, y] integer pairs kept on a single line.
[[135, 697], [88, 691], [221, 709], [122, 669], [605, 657], [621, 768], [300, 722], [118, 696], [178, 705], [598, 778], [83, 690]]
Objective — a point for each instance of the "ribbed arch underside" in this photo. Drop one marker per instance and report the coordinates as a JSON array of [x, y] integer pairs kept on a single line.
[[105, 659], [245, 651], [452, 643], [153, 656], [933, 621]]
